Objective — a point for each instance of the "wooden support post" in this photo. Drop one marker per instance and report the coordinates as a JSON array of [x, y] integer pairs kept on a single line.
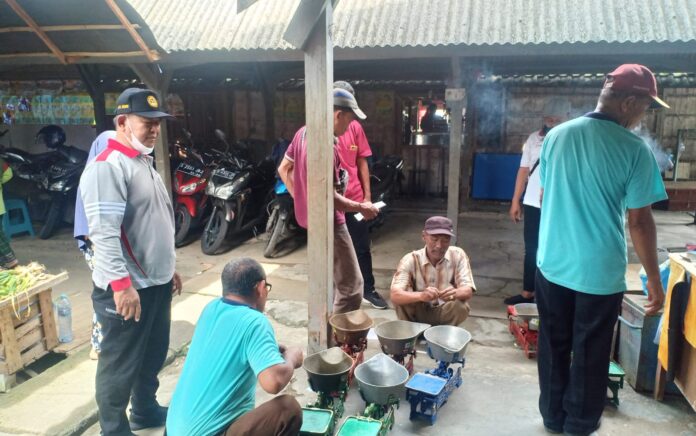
[[268, 86], [92, 80], [48, 320], [13, 356], [455, 98], [159, 82], [319, 110]]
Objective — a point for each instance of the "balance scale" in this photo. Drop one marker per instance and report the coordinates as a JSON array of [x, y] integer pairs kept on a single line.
[[429, 391]]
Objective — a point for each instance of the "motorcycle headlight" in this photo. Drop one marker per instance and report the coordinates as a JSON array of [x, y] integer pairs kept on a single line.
[[225, 191], [57, 186], [186, 189]]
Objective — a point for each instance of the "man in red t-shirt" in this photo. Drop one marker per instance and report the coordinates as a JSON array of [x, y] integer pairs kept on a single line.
[[348, 281], [353, 151]]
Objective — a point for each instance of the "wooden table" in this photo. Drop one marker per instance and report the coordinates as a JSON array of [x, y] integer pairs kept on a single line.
[[685, 377], [32, 334]]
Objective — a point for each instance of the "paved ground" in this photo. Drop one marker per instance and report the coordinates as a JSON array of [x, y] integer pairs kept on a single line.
[[500, 387]]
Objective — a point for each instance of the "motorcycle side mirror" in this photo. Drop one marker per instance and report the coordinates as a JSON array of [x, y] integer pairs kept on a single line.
[[221, 136]]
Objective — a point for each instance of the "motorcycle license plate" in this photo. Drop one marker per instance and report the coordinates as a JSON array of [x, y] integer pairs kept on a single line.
[[190, 170], [229, 175]]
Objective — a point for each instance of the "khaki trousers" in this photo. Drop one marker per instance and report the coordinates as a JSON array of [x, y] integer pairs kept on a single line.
[[281, 416], [348, 281], [450, 313]]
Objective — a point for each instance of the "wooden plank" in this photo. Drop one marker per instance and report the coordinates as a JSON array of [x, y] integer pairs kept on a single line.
[[34, 353], [35, 27], [48, 319], [319, 115], [26, 313], [13, 358], [27, 327], [30, 339], [131, 30], [41, 286], [67, 28]]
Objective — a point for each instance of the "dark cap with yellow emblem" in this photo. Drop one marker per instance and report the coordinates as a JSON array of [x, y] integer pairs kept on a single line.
[[142, 102]]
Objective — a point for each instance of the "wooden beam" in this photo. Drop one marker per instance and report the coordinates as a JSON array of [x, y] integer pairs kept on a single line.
[[455, 98], [68, 28], [91, 77], [159, 81], [244, 4], [72, 56], [319, 110], [131, 30], [268, 87], [35, 27], [306, 18]]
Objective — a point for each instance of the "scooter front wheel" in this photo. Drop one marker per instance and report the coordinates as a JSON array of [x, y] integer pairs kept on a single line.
[[53, 219], [214, 233], [182, 220]]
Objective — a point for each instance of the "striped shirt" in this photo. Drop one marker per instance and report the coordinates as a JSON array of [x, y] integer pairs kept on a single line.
[[415, 272]]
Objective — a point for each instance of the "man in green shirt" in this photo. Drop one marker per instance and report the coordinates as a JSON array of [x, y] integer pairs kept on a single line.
[[593, 169]]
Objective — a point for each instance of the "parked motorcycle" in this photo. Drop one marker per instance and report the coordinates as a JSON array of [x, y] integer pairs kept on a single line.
[[56, 173], [284, 233], [239, 190], [385, 180], [191, 207]]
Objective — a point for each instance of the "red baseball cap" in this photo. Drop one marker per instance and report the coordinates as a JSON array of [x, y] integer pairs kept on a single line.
[[637, 79]]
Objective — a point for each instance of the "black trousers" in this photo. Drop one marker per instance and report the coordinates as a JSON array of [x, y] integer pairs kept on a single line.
[[132, 355], [573, 391], [360, 234], [532, 216]]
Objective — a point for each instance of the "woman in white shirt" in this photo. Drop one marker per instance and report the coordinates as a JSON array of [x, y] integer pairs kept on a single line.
[[556, 111]]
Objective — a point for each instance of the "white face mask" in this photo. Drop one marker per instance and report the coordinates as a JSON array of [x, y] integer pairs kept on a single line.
[[135, 142]]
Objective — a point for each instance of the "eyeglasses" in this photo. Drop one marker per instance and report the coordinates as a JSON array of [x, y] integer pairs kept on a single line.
[[268, 287]]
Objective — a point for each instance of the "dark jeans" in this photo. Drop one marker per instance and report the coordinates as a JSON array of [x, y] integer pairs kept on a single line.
[[573, 391], [532, 215], [360, 234], [131, 357]]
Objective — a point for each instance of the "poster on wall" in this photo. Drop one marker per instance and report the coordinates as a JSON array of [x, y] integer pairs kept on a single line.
[[58, 102]]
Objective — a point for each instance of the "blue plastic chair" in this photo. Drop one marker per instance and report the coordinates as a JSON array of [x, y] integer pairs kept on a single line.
[[19, 221]]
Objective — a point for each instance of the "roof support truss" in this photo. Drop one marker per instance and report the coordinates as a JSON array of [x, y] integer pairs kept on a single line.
[[39, 32], [151, 56]]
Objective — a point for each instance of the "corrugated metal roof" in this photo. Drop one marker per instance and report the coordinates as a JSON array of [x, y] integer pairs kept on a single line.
[[182, 25]]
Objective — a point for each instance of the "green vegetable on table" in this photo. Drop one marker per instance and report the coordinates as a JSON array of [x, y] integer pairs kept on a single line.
[[17, 281]]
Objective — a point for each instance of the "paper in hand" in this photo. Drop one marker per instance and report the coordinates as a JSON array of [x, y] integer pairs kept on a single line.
[[378, 205]]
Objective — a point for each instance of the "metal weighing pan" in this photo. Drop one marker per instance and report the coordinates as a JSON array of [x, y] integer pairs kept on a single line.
[[526, 311], [327, 369], [399, 337], [351, 327], [447, 343], [381, 380]]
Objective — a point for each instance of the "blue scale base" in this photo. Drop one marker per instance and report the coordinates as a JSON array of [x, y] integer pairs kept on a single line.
[[428, 392]]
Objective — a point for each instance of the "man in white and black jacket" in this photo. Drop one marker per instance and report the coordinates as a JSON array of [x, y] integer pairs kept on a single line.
[[131, 224]]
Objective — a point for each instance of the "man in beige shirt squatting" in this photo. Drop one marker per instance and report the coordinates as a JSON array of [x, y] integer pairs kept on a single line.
[[432, 285]]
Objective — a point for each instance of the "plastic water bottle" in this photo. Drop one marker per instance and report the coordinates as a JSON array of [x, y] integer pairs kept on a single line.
[[64, 310]]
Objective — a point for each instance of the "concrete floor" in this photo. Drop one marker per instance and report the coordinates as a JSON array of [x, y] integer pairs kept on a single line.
[[500, 389]]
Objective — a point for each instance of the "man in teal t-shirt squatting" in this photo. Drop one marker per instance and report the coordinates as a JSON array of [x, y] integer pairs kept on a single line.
[[233, 347], [593, 169]]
